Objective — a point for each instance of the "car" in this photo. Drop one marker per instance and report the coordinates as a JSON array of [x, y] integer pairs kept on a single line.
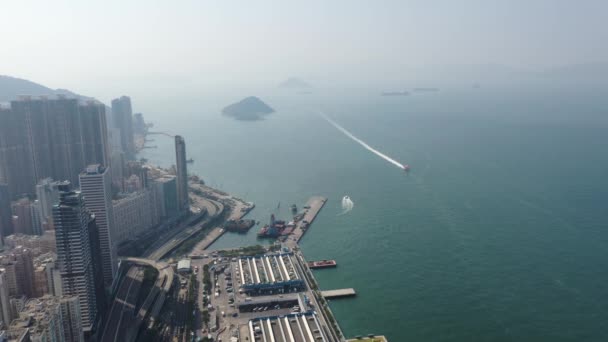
[[234, 314]]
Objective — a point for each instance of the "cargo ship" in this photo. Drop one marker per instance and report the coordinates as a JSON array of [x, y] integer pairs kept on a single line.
[[322, 264], [239, 226], [276, 228], [395, 93]]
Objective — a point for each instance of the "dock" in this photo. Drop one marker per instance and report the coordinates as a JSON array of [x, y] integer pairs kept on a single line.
[[350, 292], [314, 206], [373, 338]]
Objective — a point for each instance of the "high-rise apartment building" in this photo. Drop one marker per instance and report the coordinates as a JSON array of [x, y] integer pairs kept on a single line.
[[38, 226], [100, 292], [74, 256], [122, 117], [48, 195], [96, 187], [6, 314], [182, 174], [94, 133], [134, 213], [16, 160], [6, 214], [49, 137], [18, 264], [166, 194], [139, 125], [22, 212]]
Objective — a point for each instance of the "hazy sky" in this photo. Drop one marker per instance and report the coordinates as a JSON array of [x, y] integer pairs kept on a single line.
[[75, 43]]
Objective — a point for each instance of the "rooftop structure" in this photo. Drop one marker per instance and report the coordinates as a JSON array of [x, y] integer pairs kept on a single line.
[[268, 273], [48, 318], [184, 265], [304, 327], [39, 244]]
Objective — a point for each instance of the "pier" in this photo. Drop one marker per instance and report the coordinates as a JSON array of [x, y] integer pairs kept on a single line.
[[372, 338], [350, 292], [313, 207]]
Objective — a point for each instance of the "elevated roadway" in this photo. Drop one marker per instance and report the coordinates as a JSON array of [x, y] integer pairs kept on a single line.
[[214, 209]]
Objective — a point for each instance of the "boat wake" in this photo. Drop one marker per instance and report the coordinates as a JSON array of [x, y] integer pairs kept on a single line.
[[363, 143], [347, 205]]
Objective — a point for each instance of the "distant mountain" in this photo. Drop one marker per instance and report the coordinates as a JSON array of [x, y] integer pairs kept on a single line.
[[11, 88], [294, 83], [249, 109]]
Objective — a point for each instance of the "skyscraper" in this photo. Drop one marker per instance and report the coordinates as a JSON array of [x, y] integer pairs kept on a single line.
[[16, 167], [5, 305], [182, 173], [74, 258], [19, 271], [22, 209], [166, 195], [36, 213], [100, 293], [96, 187], [42, 137], [94, 133], [6, 215], [122, 117], [48, 196]]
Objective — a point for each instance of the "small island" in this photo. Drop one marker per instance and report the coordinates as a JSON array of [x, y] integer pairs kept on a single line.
[[248, 109], [294, 83]]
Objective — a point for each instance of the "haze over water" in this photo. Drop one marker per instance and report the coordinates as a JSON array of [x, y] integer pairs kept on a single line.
[[497, 234]]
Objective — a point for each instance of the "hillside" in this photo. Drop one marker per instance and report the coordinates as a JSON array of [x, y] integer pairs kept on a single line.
[[11, 87]]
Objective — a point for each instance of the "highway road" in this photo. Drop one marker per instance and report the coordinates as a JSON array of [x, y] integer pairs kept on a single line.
[[214, 209], [122, 314], [123, 321]]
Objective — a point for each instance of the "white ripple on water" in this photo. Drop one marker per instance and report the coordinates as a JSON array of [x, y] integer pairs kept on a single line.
[[347, 205], [361, 142]]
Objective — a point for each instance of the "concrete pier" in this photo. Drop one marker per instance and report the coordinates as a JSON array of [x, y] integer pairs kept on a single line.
[[314, 204], [350, 292]]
